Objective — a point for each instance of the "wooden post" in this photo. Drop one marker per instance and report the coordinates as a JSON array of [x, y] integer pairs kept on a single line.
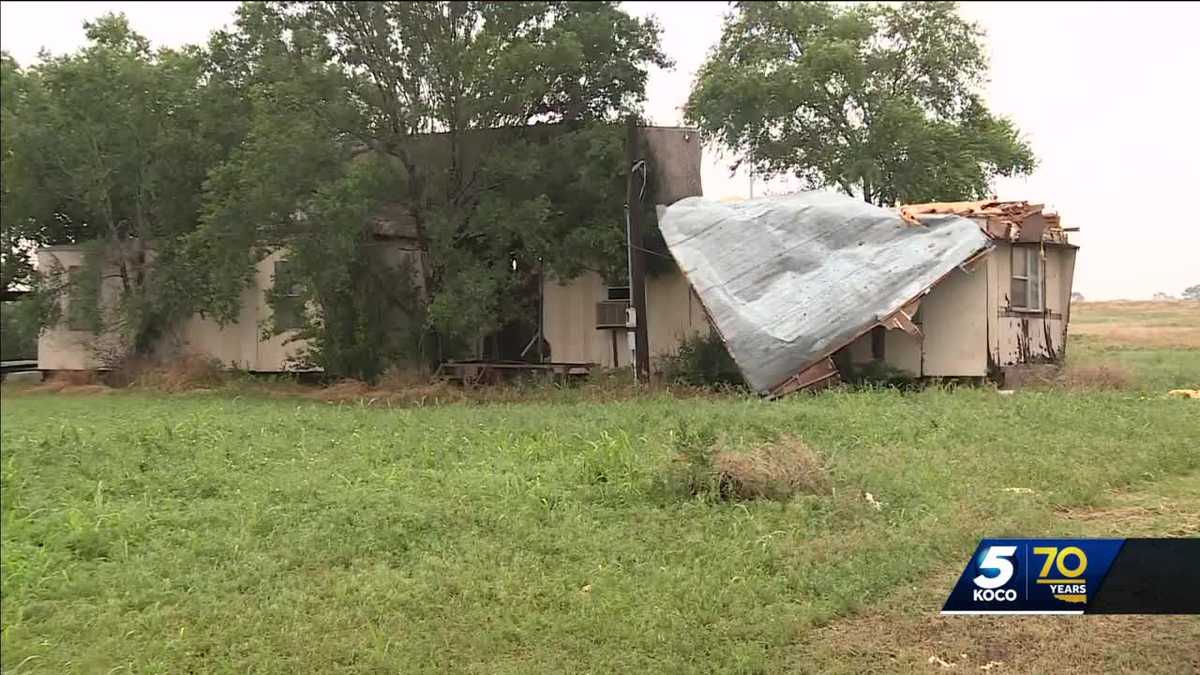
[[637, 261]]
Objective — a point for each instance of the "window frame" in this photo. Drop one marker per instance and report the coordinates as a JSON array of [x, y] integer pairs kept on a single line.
[[292, 305], [75, 320], [1031, 274]]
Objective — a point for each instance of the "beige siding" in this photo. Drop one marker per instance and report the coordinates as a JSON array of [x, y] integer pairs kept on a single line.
[[1029, 336], [272, 354], [954, 332], [900, 350], [860, 349], [570, 316], [60, 348], [237, 345], [954, 321]]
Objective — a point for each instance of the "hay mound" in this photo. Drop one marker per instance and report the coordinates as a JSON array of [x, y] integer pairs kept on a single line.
[[61, 380], [777, 471], [85, 389], [342, 390], [1085, 378], [187, 372]]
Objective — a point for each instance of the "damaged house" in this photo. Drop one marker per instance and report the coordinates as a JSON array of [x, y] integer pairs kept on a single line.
[[799, 285]]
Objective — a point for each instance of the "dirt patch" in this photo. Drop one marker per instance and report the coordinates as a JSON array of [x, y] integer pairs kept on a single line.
[[1185, 523], [341, 391], [83, 389], [404, 394], [72, 382], [1135, 513], [1086, 378], [1104, 377], [909, 635], [906, 633]]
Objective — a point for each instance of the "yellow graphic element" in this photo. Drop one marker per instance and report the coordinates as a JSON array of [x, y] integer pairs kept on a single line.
[[1072, 598], [1058, 581], [1058, 558]]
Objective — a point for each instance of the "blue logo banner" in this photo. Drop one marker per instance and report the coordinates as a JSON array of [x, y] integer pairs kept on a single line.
[[1033, 576]]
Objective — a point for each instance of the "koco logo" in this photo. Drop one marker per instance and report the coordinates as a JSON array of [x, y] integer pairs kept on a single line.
[[995, 570]]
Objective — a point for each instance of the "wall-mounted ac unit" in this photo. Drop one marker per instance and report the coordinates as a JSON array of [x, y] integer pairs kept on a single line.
[[611, 313]]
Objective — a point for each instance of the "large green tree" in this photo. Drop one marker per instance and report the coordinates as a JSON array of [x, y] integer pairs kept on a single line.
[[880, 101], [484, 128], [109, 148]]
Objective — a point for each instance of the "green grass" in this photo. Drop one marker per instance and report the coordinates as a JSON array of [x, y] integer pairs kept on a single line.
[[1157, 343], [1152, 369], [203, 532]]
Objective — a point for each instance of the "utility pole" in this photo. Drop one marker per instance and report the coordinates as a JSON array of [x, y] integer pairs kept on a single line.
[[637, 260]]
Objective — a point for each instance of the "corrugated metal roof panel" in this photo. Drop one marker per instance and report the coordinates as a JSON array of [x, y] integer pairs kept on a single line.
[[788, 280]]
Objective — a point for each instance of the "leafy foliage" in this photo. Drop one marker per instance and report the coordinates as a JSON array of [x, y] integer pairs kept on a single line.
[[702, 361], [477, 138], [879, 101], [18, 331], [108, 145], [486, 127]]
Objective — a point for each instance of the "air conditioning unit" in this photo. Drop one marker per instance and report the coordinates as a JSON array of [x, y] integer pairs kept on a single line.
[[611, 313]]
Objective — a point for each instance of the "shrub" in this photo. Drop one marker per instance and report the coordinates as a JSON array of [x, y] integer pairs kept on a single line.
[[701, 361], [18, 331], [878, 374]]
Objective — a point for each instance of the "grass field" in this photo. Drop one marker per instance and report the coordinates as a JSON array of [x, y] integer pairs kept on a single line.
[[209, 532], [1157, 342]]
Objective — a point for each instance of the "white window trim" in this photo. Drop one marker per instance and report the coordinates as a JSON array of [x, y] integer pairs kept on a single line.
[[1032, 273], [292, 292]]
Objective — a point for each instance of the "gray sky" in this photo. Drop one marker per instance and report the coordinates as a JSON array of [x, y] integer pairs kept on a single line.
[[1107, 93]]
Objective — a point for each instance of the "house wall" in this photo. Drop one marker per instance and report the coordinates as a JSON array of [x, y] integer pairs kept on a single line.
[[954, 321], [970, 328], [1023, 336], [237, 345], [60, 348], [570, 319], [954, 331]]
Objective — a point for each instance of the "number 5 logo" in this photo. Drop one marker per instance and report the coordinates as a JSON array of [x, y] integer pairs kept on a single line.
[[996, 558]]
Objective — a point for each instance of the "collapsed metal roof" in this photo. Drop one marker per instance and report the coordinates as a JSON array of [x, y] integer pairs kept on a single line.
[[789, 280]]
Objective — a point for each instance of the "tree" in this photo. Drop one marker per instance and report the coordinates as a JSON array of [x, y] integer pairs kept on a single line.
[[876, 100], [485, 126], [107, 148], [1192, 292]]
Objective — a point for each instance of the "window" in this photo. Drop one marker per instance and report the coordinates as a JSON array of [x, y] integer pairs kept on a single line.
[[618, 293], [878, 343], [289, 304], [77, 309], [1026, 290]]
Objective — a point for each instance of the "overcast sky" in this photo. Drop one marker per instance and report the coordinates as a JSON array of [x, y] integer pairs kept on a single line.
[[1107, 93]]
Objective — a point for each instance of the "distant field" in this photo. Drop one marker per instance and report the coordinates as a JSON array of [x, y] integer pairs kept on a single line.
[[1157, 342], [228, 531]]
